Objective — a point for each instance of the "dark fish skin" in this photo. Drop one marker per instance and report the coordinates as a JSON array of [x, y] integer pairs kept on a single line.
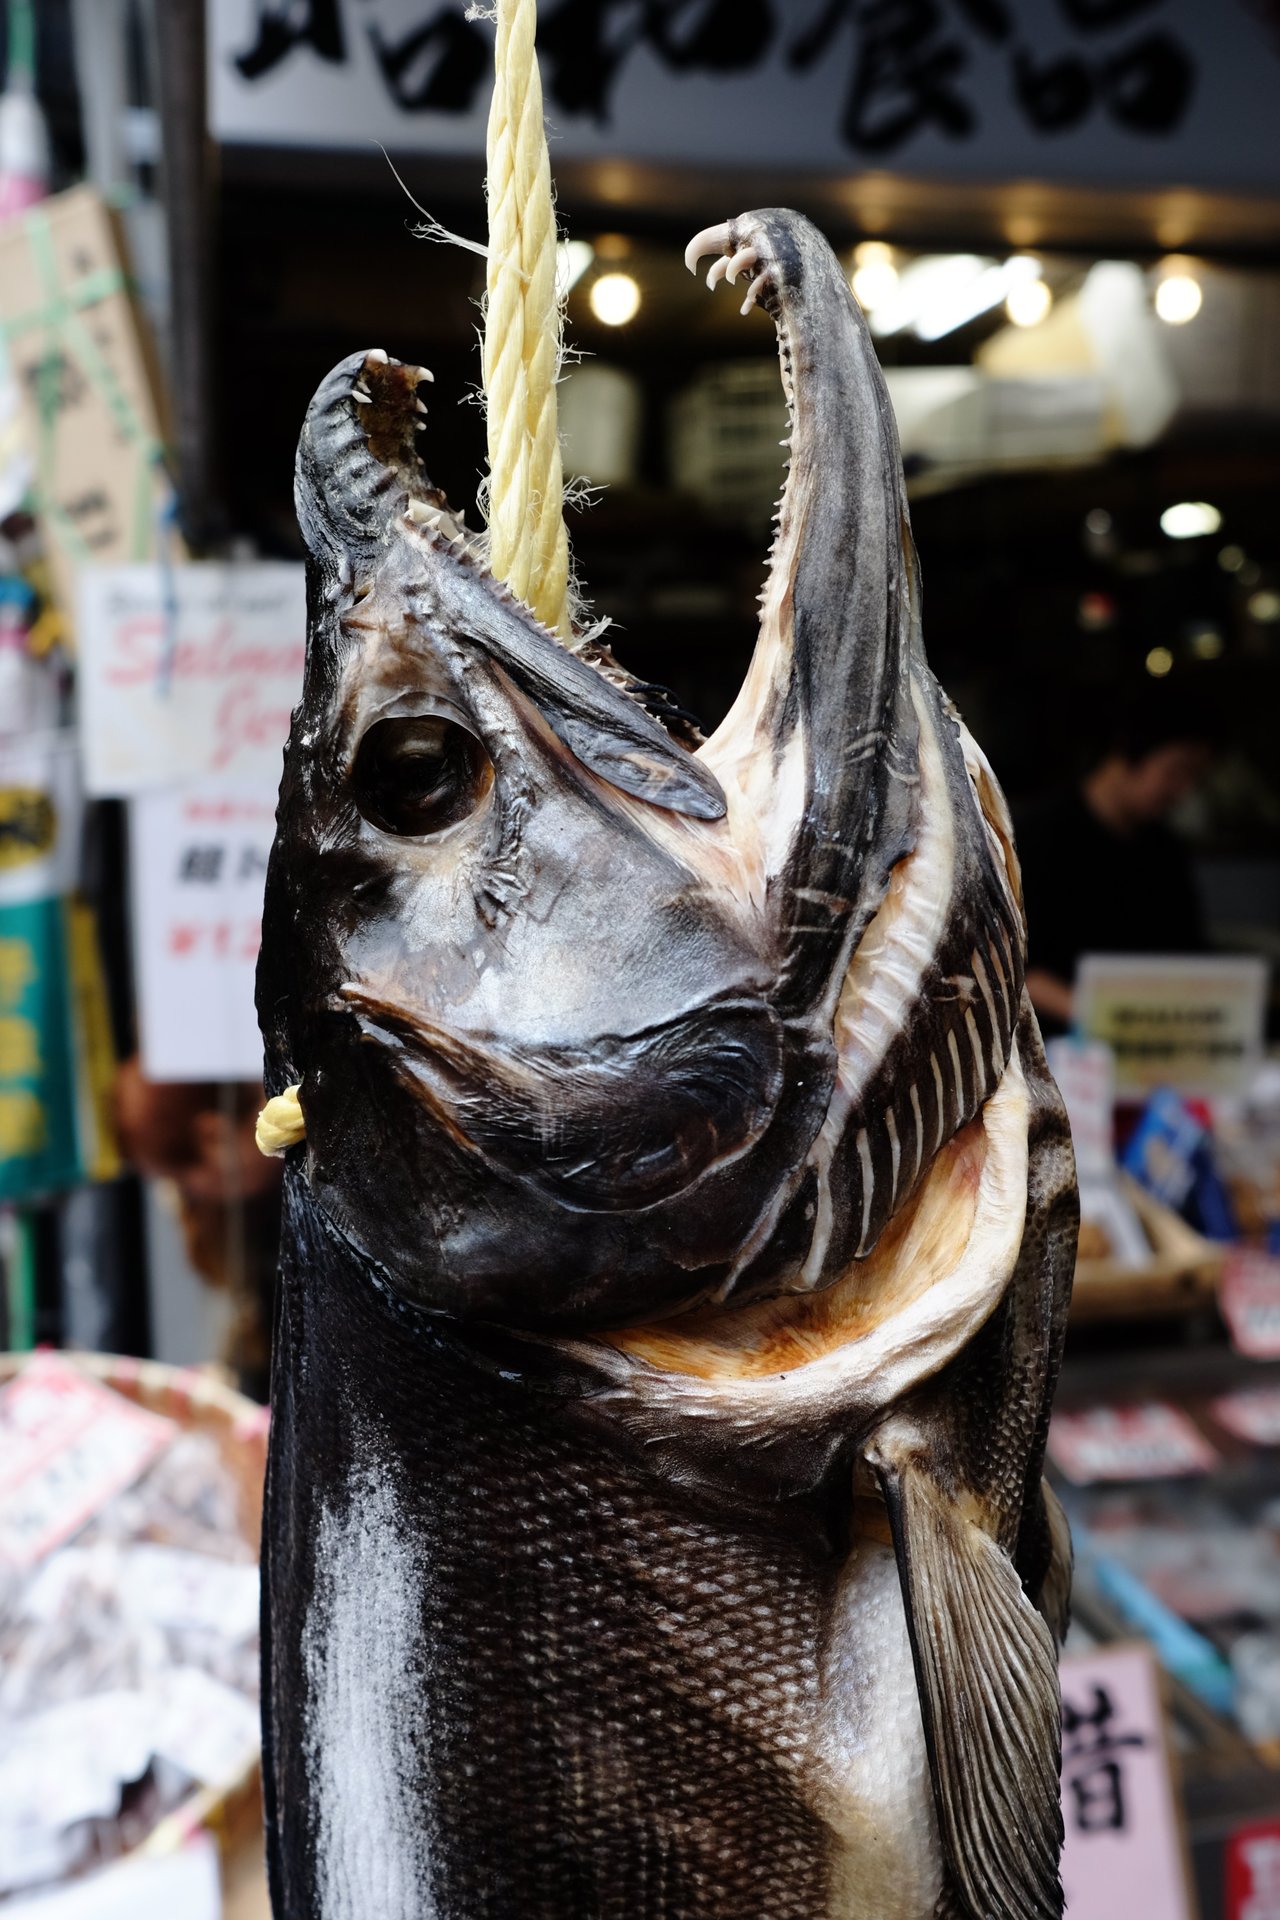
[[571, 1762], [674, 1274]]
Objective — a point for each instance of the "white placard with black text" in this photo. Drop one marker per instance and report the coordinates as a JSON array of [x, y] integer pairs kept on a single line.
[[198, 858]]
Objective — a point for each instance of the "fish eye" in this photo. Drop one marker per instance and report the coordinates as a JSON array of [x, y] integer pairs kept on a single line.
[[419, 774]]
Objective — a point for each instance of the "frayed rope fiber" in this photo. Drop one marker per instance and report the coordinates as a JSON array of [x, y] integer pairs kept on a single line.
[[529, 547]]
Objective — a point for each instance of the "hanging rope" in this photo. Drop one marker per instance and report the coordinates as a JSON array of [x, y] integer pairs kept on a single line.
[[529, 547]]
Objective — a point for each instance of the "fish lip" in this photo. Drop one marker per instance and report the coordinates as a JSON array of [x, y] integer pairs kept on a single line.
[[414, 1044], [449, 1072]]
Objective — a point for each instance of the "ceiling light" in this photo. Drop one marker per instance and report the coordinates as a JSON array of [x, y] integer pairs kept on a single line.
[[875, 276], [1027, 305], [573, 257], [1264, 606], [1159, 661], [975, 294], [924, 284], [1179, 295], [615, 299], [1189, 519]]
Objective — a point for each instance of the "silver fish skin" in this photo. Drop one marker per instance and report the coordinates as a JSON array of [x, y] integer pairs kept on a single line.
[[675, 1270]]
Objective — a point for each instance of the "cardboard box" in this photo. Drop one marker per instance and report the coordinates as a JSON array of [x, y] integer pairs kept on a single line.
[[89, 386]]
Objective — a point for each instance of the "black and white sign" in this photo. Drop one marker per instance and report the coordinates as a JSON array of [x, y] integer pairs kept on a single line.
[[1118, 92]]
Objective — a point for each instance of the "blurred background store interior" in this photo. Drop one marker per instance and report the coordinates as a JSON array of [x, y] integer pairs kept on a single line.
[[1062, 220]]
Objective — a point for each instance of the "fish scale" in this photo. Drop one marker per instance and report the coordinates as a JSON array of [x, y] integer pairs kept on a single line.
[[619, 1689]]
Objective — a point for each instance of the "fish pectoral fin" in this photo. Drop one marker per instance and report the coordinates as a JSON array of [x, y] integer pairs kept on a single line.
[[987, 1673]]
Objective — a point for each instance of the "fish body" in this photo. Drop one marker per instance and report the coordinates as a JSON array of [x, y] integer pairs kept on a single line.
[[674, 1271]]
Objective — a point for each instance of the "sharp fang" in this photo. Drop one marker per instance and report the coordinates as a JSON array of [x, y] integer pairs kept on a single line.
[[379, 354], [718, 271], [743, 259], [425, 373], [754, 291], [710, 240], [419, 407], [424, 515], [362, 393]]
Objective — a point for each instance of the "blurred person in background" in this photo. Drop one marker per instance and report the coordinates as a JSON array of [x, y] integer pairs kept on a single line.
[[1102, 870], [201, 1138]]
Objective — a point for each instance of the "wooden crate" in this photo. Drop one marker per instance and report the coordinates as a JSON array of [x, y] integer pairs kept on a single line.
[[1182, 1273]]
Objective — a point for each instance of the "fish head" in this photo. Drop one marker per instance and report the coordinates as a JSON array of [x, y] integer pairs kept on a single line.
[[561, 985], [519, 1016]]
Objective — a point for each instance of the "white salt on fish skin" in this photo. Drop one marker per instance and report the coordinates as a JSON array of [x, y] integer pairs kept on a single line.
[[365, 1738]]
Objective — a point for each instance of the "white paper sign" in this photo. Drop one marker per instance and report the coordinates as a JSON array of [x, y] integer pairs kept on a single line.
[[182, 1886], [199, 862], [188, 670], [1194, 1024], [1123, 1855]]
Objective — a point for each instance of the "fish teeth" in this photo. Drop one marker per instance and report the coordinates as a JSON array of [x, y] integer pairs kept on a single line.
[[742, 262], [710, 240]]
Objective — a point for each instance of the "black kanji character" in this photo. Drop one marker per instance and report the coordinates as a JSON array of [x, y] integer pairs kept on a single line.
[[990, 17], [439, 67], [719, 36], [1056, 94], [584, 43], [286, 24], [201, 863], [1090, 15], [1148, 86], [1090, 1768], [904, 74], [1097, 1798]]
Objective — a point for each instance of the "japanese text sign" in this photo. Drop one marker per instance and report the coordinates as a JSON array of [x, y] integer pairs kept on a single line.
[[1121, 91], [1149, 1442], [1191, 1024], [1123, 1851], [187, 671], [199, 858]]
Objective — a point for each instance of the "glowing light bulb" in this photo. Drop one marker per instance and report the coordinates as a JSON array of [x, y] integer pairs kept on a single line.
[[1179, 296], [1029, 303], [615, 299], [875, 276], [1159, 661], [1189, 519]]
